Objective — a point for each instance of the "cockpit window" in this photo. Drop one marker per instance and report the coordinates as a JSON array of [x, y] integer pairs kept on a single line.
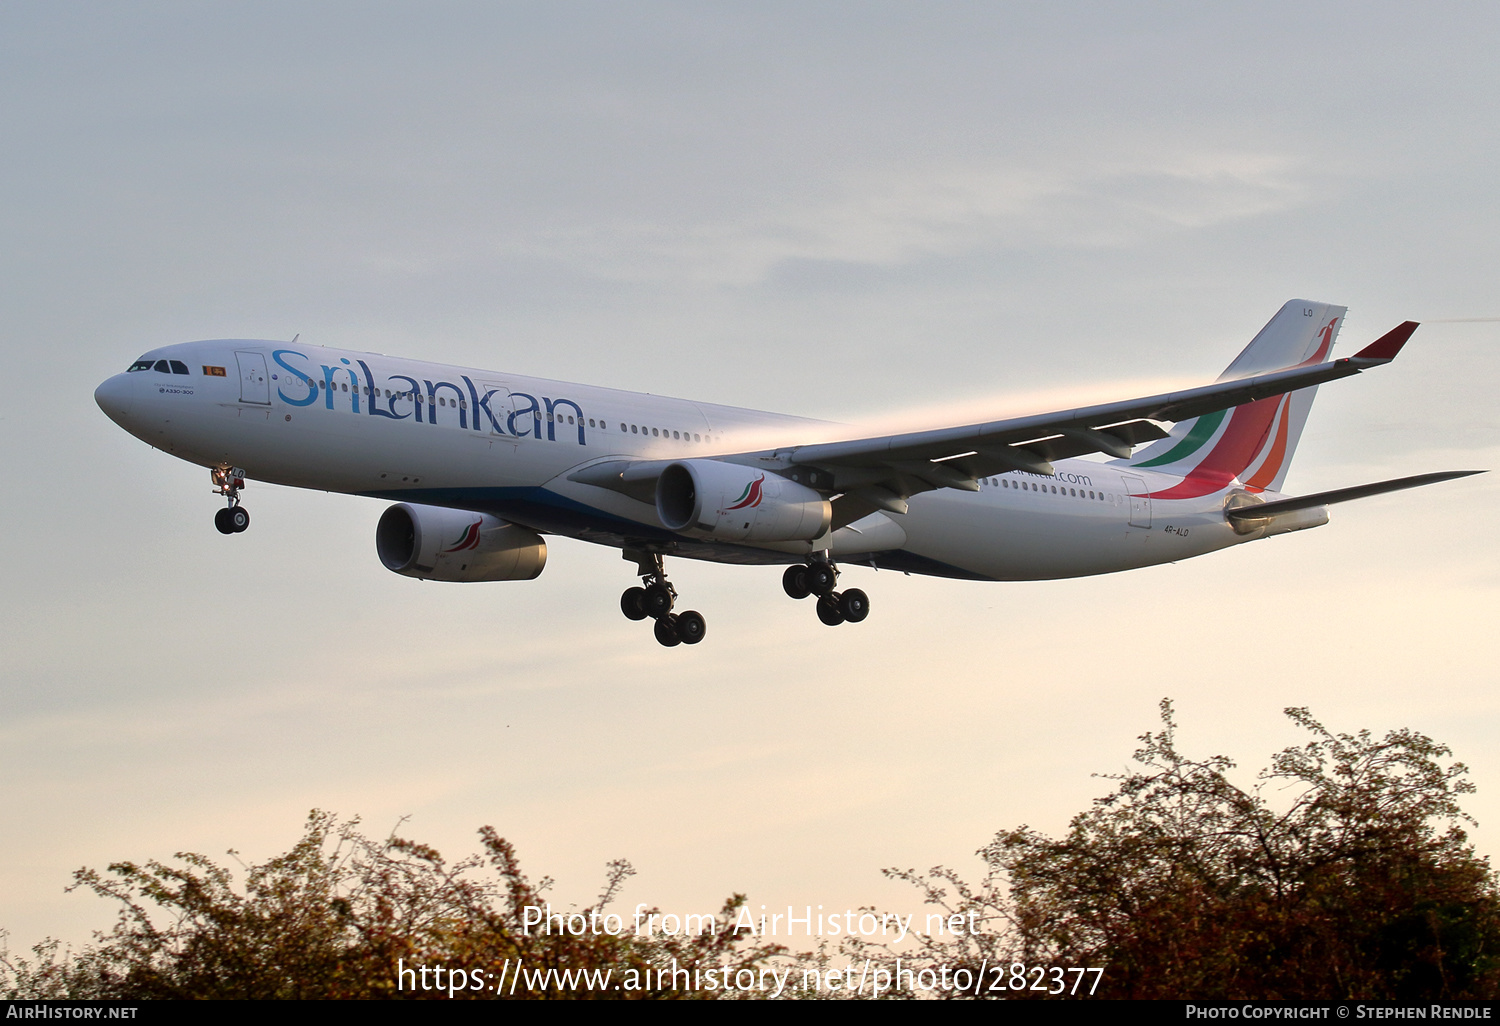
[[161, 365], [178, 367], [139, 365]]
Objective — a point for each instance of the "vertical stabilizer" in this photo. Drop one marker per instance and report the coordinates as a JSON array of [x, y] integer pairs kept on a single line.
[[1253, 443]]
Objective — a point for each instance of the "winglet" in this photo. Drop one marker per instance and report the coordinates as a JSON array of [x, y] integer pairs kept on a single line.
[[1385, 348]]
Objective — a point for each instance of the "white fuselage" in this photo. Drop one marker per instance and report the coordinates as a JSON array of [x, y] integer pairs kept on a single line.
[[505, 444]]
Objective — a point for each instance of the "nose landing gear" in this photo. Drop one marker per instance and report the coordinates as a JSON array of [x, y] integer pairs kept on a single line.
[[228, 481], [819, 578], [655, 599]]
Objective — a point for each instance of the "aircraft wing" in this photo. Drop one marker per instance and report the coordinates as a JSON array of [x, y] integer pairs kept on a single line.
[[881, 472]]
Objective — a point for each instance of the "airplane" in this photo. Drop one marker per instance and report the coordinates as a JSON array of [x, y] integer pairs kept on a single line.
[[483, 465]]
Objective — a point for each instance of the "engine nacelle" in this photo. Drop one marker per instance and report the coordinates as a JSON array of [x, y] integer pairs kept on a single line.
[[737, 503], [437, 544]]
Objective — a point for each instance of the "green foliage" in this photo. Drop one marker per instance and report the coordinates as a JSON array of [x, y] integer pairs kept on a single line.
[[335, 916], [1344, 873], [1182, 885]]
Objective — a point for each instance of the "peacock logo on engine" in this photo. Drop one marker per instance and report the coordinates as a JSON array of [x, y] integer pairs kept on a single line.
[[468, 540], [750, 498]]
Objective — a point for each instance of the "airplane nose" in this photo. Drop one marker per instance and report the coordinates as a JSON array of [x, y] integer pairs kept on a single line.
[[113, 397]]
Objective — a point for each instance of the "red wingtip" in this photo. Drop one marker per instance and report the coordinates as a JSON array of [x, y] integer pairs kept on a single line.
[[1388, 345]]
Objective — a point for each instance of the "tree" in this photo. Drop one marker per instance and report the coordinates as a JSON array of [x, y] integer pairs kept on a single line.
[[1180, 884], [340, 915], [1343, 873]]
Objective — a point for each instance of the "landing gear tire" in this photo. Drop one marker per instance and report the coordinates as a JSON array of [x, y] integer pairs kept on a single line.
[[666, 631], [690, 627], [854, 605], [633, 603], [821, 577], [655, 598], [658, 601], [795, 581], [228, 482], [829, 611]]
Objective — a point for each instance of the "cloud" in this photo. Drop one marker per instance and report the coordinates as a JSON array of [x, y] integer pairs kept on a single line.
[[901, 217]]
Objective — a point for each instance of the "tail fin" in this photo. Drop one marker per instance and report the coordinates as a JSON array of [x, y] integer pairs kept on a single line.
[[1254, 442]]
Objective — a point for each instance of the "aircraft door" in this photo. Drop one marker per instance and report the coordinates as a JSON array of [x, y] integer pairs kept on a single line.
[[1140, 500], [513, 416], [255, 382], [709, 427]]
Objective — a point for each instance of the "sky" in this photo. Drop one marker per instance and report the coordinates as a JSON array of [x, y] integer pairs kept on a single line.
[[847, 211]]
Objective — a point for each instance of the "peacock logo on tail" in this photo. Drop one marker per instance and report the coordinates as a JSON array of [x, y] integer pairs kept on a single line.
[[1257, 432]]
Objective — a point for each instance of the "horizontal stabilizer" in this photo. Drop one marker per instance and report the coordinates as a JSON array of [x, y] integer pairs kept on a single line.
[[1265, 510]]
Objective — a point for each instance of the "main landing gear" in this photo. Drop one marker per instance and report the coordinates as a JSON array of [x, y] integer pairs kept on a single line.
[[227, 482], [655, 598], [819, 578]]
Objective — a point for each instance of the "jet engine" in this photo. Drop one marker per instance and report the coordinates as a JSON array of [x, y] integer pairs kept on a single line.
[[437, 544], [731, 502]]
